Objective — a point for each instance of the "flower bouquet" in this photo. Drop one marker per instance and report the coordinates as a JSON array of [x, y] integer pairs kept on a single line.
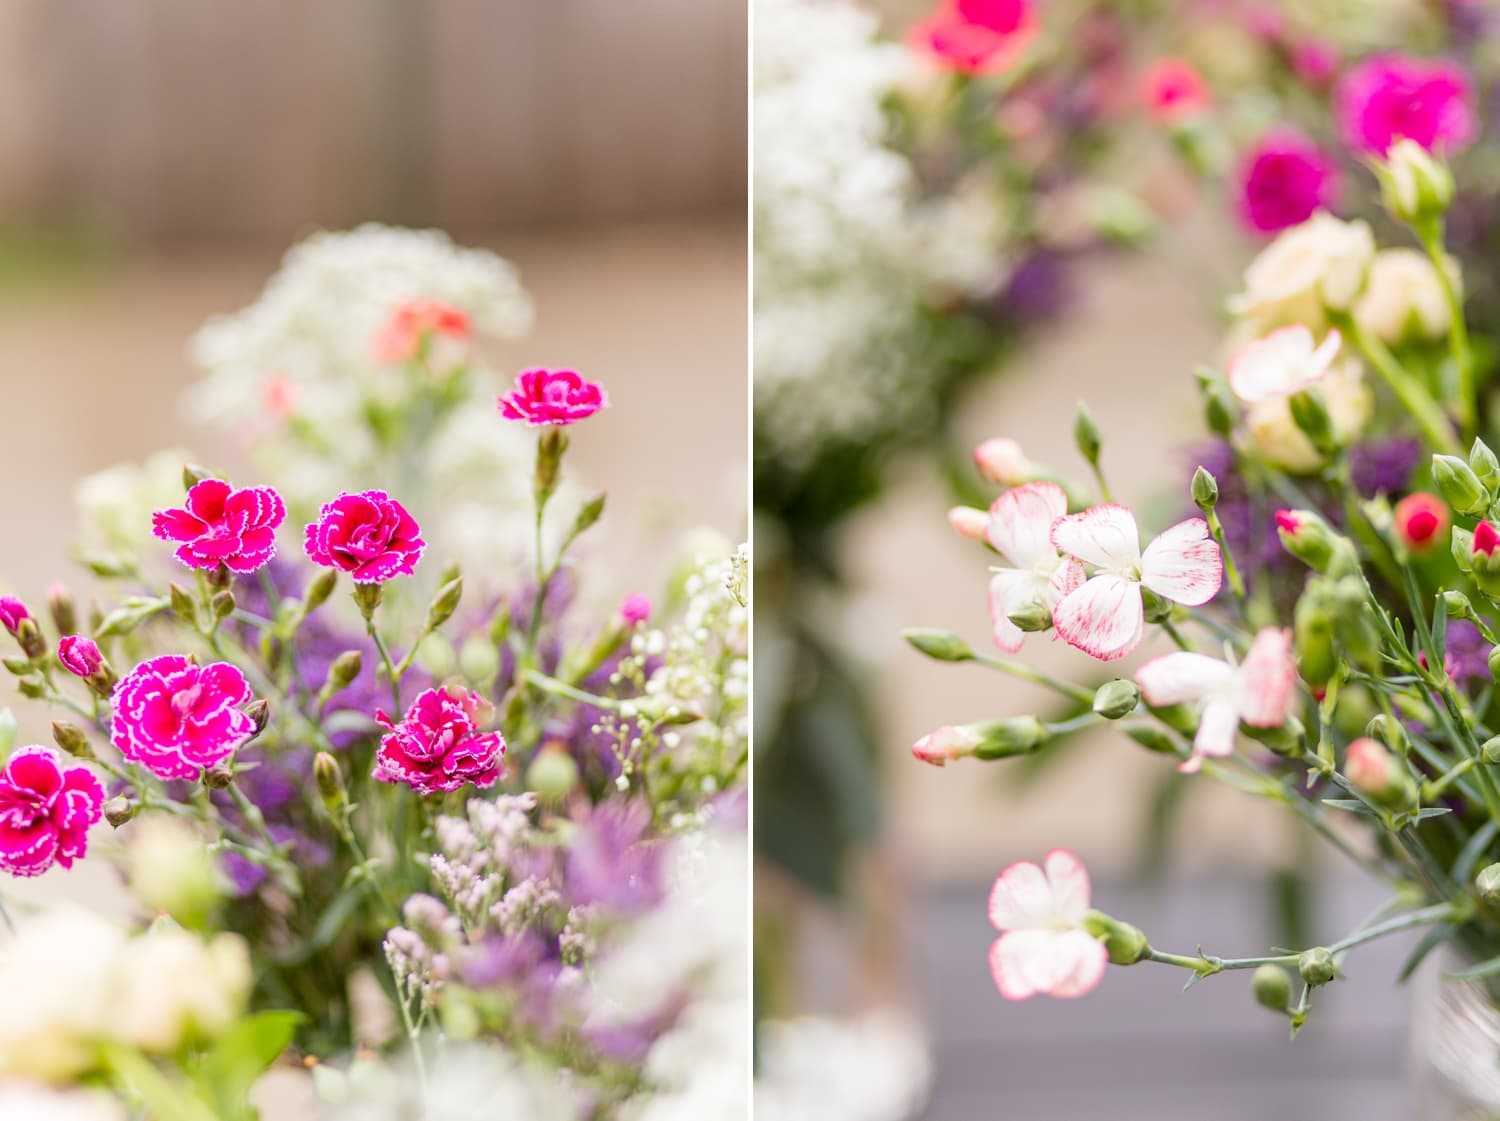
[[395, 787], [1344, 669]]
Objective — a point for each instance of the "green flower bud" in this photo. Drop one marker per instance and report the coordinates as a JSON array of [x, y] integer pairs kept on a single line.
[[1457, 605], [1219, 412], [553, 774], [1307, 537], [1116, 698], [71, 739], [259, 710], [549, 452], [479, 660], [1459, 486], [1152, 738], [1415, 187], [1494, 663], [223, 604], [119, 810], [1126, 944], [1086, 434], [1205, 489], [1316, 966], [321, 588], [1487, 884], [32, 688], [64, 614], [192, 475], [445, 603], [589, 513], [1390, 732], [1031, 617], [500, 626], [18, 666], [1013, 735], [1272, 988], [343, 670], [367, 599], [1483, 463], [329, 778], [943, 646], [182, 604], [1310, 414], [1489, 753], [29, 635]]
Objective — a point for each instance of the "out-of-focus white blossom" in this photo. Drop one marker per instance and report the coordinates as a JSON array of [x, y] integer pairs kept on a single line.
[[872, 1068], [462, 1084], [27, 1101], [845, 251]]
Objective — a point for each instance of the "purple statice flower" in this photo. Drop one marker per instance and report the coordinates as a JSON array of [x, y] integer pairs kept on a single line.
[[1038, 289], [612, 861], [1384, 466], [1467, 656]]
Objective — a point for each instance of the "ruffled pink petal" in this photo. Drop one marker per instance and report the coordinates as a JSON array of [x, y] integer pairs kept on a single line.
[[1217, 725], [207, 499], [1020, 525], [1105, 536], [1021, 898], [1183, 564], [1265, 686], [1064, 964], [1181, 677], [1069, 881], [177, 525], [1104, 618], [1010, 589]]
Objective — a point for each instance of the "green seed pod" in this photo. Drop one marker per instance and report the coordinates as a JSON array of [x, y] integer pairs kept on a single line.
[[1205, 489], [321, 588], [1316, 966], [1117, 698], [445, 603], [223, 604], [1272, 987], [942, 646]]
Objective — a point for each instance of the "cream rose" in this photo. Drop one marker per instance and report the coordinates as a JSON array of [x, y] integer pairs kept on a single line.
[[1310, 268], [1403, 298]]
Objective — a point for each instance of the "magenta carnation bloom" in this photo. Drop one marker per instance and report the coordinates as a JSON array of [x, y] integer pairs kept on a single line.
[[976, 36], [635, 608], [552, 397], [80, 656], [221, 525], [1392, 97], [46, 809], [12, 613], [438, 746], [369, 535], [1284, 180], [178, 719]]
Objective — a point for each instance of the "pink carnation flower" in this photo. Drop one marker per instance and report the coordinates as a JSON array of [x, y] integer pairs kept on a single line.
[[1105, 616], [1392, 97], [221, 525], [369, 535], [1173, 90], [1283, 181], [46, 809], [438, 746], [412, 322], [1020, 529], [557, 397], [1260, 691], [79, 655], [12, 613], [976, 36], [178, 719], [635, 608], [1043, 947]]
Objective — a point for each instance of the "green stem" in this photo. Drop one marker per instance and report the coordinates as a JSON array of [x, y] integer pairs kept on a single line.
[[1026, 673], [1424, 410], [563, 689], [1231, 570], [1458, 330], [387, 664]]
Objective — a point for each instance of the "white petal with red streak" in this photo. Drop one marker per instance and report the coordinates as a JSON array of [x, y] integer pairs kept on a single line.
[[1065, 963], [1266, 684], [1069, 881], [1021, 898], [1217, 725], [1011, 588], [1105, 536], [1020, 525], [1183, 564], [1181, 677], [1104, 617]]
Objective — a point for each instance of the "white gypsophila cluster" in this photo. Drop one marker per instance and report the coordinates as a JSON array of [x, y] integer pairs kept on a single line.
[[872, 1068], [696, 945], [459, 1083], [845, 250], [115, 505], [704, 667], [294, 379]]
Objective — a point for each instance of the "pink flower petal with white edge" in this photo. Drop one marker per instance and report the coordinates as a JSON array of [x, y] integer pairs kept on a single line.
[[1104, 617], [1217, 725], [1020, 526], [1021, 898], [1266, 683], [1010, 589], [1182, 677], [1183, 564], [1105, 536], [1064, 964], [1069, 881]]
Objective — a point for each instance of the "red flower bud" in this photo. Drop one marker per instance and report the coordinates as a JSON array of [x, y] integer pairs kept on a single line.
[[1486, 539], [1422, 521]]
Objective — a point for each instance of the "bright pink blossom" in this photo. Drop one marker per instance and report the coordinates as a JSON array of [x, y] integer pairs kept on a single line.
[[1283, 181], [1105, 616], [1422, 521], [178, 719], [1173, 90], [412, 322], [1260, 691], [1020, 529], [438, 746], [12, 613], [556, 397], [1043, 947], [1486, 539], [1391, 97], [46, 808], [976, 36], [221, 525], [1315, 61], [635, 608], [80, 655], [369, 535]]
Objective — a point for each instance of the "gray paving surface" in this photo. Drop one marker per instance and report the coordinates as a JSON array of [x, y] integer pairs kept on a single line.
[[1139, 1048]]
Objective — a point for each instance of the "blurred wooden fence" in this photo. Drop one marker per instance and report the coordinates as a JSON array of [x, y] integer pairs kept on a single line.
[[214, 120]]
